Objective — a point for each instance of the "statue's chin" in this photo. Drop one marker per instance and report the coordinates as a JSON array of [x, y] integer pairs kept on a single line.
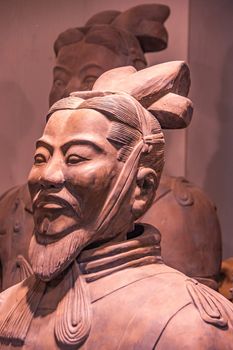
[[50, 260], [48, 230]]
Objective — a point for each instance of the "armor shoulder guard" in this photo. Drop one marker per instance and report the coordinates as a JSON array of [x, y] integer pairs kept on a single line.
[[212, 306]]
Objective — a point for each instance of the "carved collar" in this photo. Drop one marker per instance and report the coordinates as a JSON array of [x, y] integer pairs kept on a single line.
[[141, 248]]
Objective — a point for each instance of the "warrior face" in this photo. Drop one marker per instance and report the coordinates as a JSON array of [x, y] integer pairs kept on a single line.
[[79, 65], [89, 183], [74, 170]]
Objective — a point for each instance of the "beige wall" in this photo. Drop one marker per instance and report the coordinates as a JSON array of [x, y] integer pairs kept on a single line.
[[210, 137], [28, 29]]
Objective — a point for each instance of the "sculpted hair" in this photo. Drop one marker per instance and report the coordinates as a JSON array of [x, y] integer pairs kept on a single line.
[[115, 39], [127, 127]]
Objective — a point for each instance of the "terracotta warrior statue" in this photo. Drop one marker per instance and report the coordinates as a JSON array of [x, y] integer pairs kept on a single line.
[[111, 39], [98, 279]]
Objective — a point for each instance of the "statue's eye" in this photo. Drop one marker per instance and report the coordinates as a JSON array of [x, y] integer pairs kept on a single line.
[[59, 83], [74, 159], [39, 159], [90, 79], [88, 82]]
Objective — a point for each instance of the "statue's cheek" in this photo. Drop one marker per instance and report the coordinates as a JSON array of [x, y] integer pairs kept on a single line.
[[93, 176], [34, 177]]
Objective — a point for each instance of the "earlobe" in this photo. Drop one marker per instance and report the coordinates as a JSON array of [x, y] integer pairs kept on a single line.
[[146, 185]]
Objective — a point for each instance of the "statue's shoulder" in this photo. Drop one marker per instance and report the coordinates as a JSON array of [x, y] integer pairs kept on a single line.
[[172, 307], [12, 205], [171, 284], [206, 311], [14, 196], [14, 294], [181, 291], [205, 323], [13, 192], [212, 307]]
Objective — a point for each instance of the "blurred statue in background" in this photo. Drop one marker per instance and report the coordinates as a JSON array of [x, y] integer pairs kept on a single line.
[[191, 240], [109, 39], [190, 229]]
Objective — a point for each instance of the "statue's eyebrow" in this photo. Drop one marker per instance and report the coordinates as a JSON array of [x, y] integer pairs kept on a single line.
[[61, 68], [41, 143], [90, 65], [97, 147]]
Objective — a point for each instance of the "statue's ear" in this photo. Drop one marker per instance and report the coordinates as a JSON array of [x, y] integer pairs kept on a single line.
[[146, 185]]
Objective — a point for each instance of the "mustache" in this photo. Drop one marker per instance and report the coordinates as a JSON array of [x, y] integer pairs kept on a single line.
[[62, 200]]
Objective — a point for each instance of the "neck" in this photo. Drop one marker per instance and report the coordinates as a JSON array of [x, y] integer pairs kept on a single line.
[[140, 247]]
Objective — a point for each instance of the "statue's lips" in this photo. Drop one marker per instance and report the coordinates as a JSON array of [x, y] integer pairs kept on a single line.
[[48, 208], [49, 205], [54, 203]]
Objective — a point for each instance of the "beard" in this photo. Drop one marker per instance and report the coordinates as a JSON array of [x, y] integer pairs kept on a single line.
[[51, 259]]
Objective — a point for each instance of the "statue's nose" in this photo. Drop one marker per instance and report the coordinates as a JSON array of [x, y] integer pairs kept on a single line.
[[53, 176], [73, 85]]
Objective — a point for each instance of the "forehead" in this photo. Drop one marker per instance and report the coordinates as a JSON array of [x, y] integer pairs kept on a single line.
[[65, 124], [80, 54]]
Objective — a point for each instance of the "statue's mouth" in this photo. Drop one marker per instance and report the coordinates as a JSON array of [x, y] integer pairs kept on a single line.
[[55, 216], [54, 203], [51, 204]]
